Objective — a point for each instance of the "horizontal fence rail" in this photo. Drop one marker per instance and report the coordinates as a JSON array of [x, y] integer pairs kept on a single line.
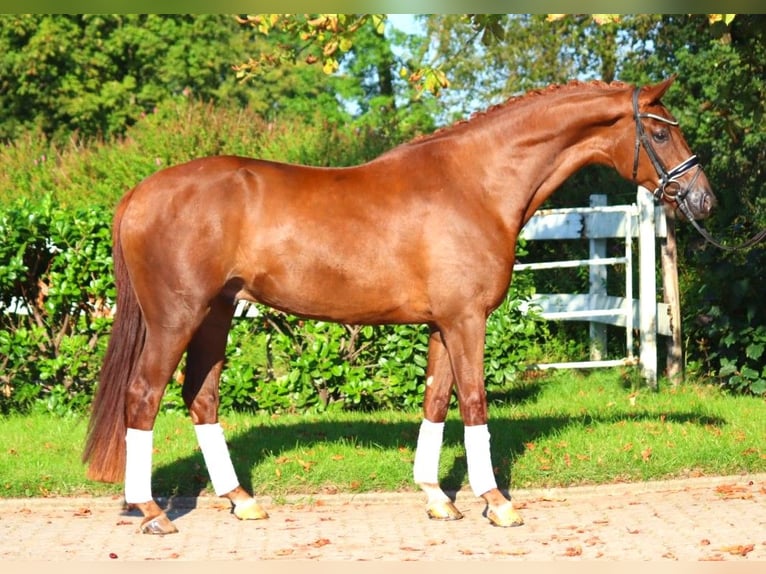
[[643, 221]]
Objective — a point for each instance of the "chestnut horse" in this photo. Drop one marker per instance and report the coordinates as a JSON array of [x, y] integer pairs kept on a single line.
[[425, 233]]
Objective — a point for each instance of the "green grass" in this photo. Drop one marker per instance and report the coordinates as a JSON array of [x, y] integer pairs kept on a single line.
[[557, 430]]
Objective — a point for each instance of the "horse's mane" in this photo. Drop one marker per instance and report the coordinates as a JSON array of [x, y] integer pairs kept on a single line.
[[515, 100]]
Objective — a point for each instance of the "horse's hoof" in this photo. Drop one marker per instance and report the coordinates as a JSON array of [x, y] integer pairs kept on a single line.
[[504, 516], [250, 511], [158, 525], [443, 510]]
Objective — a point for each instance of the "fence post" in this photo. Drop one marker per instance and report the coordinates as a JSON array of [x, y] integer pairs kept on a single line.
[[597, 286], [647, 287], [672, 296]]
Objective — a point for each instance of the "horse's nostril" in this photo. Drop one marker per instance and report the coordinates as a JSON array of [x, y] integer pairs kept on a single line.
[[708, 203]]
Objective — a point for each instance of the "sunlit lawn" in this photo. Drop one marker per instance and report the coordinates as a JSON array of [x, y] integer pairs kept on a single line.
[[563, 429]]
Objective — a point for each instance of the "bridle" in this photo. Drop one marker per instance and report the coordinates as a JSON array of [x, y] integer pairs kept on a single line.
[[669, 188]]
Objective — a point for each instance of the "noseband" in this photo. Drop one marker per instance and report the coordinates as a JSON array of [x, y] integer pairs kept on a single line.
[[669, 188]]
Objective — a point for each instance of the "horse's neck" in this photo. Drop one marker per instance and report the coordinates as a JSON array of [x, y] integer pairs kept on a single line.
[[532, 148]]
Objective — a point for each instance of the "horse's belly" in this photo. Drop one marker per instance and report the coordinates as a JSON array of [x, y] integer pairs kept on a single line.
[[335, 293]]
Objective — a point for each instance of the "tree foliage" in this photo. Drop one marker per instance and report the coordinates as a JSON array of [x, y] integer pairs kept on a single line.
[[91, 103], [94, 75]]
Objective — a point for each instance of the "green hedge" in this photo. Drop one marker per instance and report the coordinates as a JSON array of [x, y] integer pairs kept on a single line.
[[56, 289]]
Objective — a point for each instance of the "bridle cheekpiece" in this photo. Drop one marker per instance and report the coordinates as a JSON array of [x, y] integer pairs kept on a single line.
[[669, 188]]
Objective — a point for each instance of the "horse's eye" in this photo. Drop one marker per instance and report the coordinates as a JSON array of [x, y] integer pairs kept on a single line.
[[660, 136]]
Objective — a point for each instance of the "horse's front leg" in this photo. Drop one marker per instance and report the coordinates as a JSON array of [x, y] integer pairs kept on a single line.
[[439, 381], [465, 345], [204, 362]]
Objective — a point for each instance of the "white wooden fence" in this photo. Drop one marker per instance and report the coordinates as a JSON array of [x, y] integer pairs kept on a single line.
[[597, 223]]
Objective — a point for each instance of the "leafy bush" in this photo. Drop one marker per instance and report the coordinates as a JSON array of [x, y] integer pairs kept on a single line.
[[55, 294], [56, 297], [729, 322]]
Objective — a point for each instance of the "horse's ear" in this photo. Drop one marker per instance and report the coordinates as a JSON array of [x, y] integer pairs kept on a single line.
[[652, 94]]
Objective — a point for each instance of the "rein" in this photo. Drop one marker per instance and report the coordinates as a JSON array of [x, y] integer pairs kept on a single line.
[[670, 188], [757, 238]]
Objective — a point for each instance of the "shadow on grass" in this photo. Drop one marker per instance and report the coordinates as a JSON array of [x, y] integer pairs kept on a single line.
[[509, 437]]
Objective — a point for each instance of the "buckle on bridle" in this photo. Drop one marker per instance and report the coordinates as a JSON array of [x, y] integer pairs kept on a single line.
[[670, 188]]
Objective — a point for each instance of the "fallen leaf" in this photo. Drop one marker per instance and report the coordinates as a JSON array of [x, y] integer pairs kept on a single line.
[[713, 558], [320, 542], [83, 512], [305, 464], [514, 552], [738, 550], [573, 551], [705, 542], [593, 540], [284, 552], [602, 521], [646, 454], [733, 491]]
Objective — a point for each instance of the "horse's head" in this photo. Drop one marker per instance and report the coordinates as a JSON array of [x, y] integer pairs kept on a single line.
[[662, 161]]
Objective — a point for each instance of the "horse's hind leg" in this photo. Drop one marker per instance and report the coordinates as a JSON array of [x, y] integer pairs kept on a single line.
[[439, 381], [204, 362], [162, 351]]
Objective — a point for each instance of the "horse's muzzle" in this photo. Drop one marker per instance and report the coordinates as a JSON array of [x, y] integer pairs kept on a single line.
[[697, 201]]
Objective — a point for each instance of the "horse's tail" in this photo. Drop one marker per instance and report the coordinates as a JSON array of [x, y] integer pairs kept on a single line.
[[105, 444]]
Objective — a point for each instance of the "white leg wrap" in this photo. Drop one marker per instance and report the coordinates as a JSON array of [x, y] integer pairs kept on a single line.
[[481, 477], [138, 466], [426, 467], [217, 458]]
